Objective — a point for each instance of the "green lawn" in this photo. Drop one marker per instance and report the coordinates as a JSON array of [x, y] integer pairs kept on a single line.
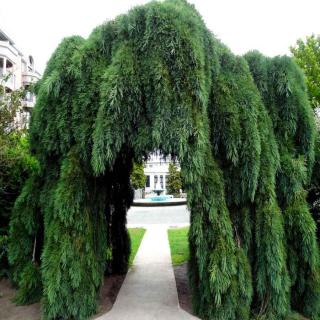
[[178, 240], [136, 235]]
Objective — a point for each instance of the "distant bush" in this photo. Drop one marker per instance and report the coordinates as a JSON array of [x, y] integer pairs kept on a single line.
[[138, 178], [174, 183], [16, 164]]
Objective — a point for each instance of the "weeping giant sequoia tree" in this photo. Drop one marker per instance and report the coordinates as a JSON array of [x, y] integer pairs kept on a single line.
[[243, 130]]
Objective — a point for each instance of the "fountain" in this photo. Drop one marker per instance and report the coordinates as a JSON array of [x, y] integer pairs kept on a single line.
[[158, 199], [158, 190]]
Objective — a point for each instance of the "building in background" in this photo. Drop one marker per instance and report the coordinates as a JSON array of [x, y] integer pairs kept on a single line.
[[17, 71], [156, 170]]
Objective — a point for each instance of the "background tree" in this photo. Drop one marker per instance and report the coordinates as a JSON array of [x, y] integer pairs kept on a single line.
[[16, 164], [174, 182], [138, 178], [307, 55], [10, 104]]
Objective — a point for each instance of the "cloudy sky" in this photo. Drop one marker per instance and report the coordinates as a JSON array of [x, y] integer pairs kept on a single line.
[[271, 26]]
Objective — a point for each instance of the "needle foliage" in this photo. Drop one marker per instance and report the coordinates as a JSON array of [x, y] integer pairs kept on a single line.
[[243, 131]]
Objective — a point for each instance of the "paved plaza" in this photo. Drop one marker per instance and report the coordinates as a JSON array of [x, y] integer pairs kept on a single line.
[[170, 216]]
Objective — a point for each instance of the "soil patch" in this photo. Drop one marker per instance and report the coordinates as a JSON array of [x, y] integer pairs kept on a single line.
[[109, 293], [10, 311], [184, 292]]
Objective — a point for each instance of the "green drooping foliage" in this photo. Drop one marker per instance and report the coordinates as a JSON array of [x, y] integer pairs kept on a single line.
[[243, 131], [138, 178], [283, 92], [314, 188], [174, 183]]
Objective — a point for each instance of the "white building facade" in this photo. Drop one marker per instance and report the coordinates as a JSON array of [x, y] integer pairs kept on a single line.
[[156, 170], [17, 71]]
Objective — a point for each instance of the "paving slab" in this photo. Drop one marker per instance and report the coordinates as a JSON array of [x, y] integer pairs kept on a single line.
[[149, 290]]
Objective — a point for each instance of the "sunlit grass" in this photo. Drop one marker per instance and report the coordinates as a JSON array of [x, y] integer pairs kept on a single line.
[[136, 235], [178, 240]]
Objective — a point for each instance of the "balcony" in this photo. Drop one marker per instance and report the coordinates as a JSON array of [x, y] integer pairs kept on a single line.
[[8, 51], [29, 77], [29, 100], [28, 104]]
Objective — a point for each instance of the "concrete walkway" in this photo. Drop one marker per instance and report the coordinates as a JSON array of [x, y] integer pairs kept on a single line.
[[149, 290]]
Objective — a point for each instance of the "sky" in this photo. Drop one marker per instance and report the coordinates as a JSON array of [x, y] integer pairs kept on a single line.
[[270, 26]]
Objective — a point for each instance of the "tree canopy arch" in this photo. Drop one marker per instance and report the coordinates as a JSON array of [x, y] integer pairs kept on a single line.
[[243, 130]]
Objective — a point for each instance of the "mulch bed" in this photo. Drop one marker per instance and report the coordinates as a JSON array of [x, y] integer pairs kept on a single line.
[[109, 293], [10, 311], [184, 292]]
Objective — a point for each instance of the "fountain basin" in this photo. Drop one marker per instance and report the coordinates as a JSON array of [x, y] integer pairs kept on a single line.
[[159, 198], [159, 201]]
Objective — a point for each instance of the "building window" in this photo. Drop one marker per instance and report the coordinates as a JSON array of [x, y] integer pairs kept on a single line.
[[155, 182], [148, 182], [1, 66], [161, 182], [31, 60], [6, 66], [31, 64], [29, 96], [9, 66]]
